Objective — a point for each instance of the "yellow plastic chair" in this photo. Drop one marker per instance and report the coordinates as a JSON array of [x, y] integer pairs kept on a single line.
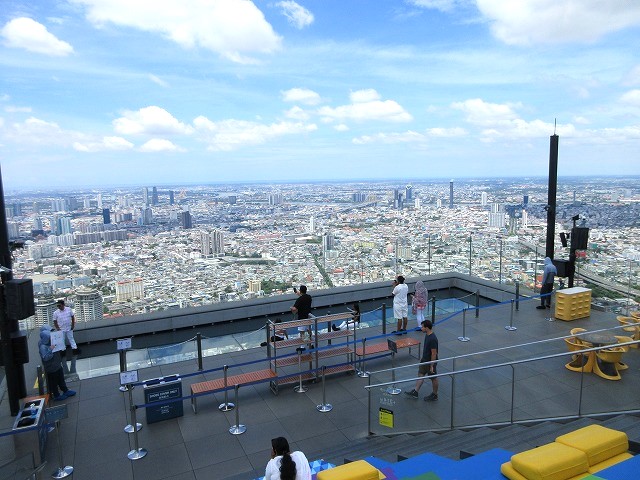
[[578, 361], [630, 325], [635, 314], [606, 364], [577, 330], [623, 339]]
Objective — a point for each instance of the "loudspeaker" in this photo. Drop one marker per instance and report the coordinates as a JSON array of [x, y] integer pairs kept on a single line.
[[20, 349], [579, 238], [563, 267], [19, 297]]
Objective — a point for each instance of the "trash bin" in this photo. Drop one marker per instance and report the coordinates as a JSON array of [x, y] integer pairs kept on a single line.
[[159, 389], [25, 437]]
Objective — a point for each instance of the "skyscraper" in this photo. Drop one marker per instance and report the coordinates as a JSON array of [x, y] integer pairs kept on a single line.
[[171, 197], [106, 216], [186, 220], [88, 305], [145, 195], [154, 196], [483, 199], [451, 193], [408, 193]]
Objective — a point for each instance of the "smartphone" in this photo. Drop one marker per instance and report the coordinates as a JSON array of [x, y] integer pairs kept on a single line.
[[295, 290]]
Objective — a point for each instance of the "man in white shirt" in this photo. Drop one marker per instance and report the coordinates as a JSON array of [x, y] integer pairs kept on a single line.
[[65, 321], [400, 305]]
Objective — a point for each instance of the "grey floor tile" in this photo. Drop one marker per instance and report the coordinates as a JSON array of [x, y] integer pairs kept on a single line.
[[163, 463]]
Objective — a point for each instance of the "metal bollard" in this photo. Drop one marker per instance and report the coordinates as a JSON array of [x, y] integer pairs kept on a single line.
[[477, 295], [324, 406], [137, 452], [199, 346], [300, 388], [363, 372], [123, 368], [510, 327], [517, 295], [384, 318], [130, 427], [464, 337], [393, 390], [433, 310], [226, 406], [238, 428]]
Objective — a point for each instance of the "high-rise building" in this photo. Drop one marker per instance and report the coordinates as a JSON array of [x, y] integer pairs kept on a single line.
[[255, 286], [525, 200], [275, 199], [172, 199], [439, 203], [186, 220], [212, 243], [13, 229], [312, 224], [358, 197], [233, 199], [88, 305], [328, 242], [451, 194], [483, 199], [64, 225], [99, 200], [129, 290], [44, 308], [525, 219], [154, 196], [106, 216], [408, 193], [145, 195], [497, 216]]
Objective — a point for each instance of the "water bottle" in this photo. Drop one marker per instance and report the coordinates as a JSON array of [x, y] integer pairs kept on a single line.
[[33, 410]]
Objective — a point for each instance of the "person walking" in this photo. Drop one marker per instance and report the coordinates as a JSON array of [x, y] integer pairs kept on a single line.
[[419, 302], [429, 354], [65, 320], [548, 276], [400, 306], [52, 364], [286, 465]]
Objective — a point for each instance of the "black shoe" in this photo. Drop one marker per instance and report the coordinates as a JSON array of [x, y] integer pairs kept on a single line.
[[431, 398], [334, 328], [412, 394], [263, 344], [541, 307], [548, 306]]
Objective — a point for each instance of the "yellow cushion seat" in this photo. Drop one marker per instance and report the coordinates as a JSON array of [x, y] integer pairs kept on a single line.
[[553, 461], [597, 442], [358, 470]]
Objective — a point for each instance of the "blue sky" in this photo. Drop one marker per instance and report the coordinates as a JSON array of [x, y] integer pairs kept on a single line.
[[122, 92]]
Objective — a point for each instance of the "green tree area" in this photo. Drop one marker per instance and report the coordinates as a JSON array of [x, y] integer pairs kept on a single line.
[[269, 286], [323, 272], [598, 291]]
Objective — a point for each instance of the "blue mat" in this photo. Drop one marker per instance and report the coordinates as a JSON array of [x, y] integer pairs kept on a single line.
[[627, 470]]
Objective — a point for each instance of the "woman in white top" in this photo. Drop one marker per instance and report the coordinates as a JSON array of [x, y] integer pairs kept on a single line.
[[285, 465]]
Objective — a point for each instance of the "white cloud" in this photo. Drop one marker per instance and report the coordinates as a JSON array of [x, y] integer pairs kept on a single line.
[[150, 121], [106, 144], [4, 97], [296, 113], [390, 138], [297, 15], [27, 34], [366, 106], [13, 109], [484, 113], [301, 95], [341, 127], [632, 78], [527, 22], [232, 134], [235, 29], [34, 131], [581, 120], [442, 5], [632, 97], [446, 132], [156, 145], [158, 81], [367, 95]]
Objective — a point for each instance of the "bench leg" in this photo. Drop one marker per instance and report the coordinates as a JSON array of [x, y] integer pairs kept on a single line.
[[194, 405]]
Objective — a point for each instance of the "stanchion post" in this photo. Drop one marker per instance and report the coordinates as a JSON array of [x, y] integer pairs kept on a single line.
[[384, 318], [130, 427], [123, 368], [40, 380], [199, 346], [464, 337], [226, 406], [517, 295], [238, 428], [363, 371], [477, 295], [324, 406], [433, 310], [61, 471], [510, 327], [393, 390], [300, 388], [137, 452]]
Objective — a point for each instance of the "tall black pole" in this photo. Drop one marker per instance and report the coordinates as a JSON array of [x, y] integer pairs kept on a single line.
[[551, 199], [13, 373]]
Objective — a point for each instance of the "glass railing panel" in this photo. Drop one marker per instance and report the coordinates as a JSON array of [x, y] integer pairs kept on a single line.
[[165, 354]]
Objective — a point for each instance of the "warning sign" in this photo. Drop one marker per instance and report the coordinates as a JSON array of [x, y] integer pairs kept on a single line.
[[385, 417]]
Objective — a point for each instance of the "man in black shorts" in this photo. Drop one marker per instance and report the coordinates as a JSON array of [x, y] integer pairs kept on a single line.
[[429, 353]]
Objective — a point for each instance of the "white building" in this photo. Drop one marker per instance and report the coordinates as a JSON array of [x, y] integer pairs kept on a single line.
[[88, 305], [129, 290]]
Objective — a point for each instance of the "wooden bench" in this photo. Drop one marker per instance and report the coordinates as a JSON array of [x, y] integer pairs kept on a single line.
[[381, 347], [216, 385]]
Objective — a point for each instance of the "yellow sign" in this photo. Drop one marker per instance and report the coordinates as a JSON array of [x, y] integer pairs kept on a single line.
[[385, 417]]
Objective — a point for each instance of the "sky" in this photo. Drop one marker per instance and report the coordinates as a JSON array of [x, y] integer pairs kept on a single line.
[[122, 92]]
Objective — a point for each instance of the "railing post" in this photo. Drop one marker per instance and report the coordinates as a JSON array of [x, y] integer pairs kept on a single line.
[[384, 318], [517, 295], [62, 471], [199, 345], [123, 368], [433, 310], [510, 327], [477, 295], [393, 390], [134, 426], [300, 388], [363, 372]]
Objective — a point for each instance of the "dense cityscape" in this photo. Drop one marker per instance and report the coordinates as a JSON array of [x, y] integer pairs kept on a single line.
[[136, 250]]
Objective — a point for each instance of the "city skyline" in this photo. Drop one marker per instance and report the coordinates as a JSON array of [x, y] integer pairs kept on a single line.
[[104, 93]]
